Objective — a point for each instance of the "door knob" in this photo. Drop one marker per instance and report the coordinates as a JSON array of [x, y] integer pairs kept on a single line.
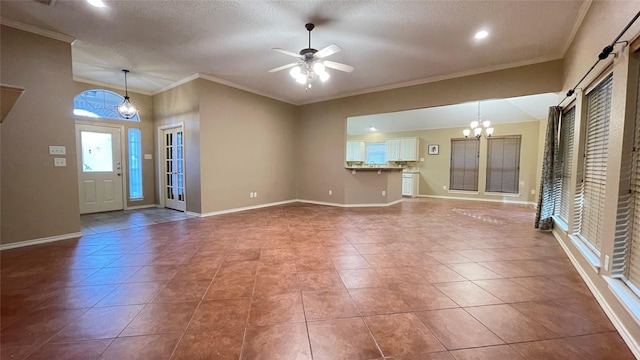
[[119, 174]]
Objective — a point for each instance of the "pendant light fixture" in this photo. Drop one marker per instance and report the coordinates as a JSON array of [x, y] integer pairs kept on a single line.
[[126, 110], [479, 127]]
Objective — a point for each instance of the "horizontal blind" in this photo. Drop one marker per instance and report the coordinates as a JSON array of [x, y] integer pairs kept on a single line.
[[595, 162], [633, 262], [566, 149], [503, 164], [463, 173]]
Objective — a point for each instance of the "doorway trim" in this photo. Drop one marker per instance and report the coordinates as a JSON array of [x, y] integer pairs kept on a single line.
[[160, 164], [123, 155]]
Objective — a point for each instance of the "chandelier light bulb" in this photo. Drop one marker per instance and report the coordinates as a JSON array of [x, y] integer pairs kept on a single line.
[[324, 76], [318, 68], [489, 131], [295, 72], [126, 109], [301, 79], [474, 124], [486, 123], [466, 132], [477, 131]]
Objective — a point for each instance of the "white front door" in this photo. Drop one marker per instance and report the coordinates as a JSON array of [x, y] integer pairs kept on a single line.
[[173, 169], [99, 168]]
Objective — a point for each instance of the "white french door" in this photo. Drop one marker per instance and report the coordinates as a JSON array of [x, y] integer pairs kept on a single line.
[[99, 152], [173, 168]]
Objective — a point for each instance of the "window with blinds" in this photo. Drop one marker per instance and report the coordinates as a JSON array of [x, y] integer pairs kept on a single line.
[[503, 164], [562, 186], [463, 173], [590, 197]]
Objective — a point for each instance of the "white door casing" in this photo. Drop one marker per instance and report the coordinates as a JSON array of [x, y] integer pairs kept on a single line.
[[100, 168], [173, 184]]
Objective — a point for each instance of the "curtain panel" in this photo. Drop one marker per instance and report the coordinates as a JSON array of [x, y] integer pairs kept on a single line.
[[546, 198]]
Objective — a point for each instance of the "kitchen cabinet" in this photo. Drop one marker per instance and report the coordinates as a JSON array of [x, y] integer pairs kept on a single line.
[[355, 150], [410, 184], [402, 149]]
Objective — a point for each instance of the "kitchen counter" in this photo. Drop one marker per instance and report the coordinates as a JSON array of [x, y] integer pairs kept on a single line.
[[367, 168]]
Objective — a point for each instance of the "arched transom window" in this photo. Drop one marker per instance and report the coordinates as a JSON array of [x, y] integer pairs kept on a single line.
[[99, 103]]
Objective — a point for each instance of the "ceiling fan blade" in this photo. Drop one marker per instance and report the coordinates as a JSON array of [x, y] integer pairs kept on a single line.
[[286, 52], [338, 66], [329, 50], [283, 67]]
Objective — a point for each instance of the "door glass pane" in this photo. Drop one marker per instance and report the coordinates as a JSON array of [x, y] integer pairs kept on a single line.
[[97, 152]]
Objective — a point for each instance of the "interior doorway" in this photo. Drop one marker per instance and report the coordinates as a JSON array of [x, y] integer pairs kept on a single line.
[[100, 168], [173, 168]]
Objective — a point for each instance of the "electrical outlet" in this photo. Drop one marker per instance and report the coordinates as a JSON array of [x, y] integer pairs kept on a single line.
[[57, 150], [444, 187], [255, 194], [251, 194], [384, 193], [330, 192], [421, 159], [606, 262], [533, 192], [59, 161]]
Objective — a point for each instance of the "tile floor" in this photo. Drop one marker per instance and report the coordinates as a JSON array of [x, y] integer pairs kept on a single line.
[[101, 223], [424, 279]]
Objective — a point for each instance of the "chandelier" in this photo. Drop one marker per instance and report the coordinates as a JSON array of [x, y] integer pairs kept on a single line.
[[479, 127], [126, 110]]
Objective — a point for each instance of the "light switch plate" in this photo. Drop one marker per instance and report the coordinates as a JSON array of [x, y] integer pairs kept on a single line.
[[57, 150], [59, 162], [148, 157]]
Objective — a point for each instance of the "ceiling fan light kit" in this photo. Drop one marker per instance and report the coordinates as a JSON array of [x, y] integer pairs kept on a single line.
[[312, 65]]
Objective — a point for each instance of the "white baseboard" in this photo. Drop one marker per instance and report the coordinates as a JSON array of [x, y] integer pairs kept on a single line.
[[140, 207], [506, 201], [347, 205], [39, 241], [245, 208], [615, 320]]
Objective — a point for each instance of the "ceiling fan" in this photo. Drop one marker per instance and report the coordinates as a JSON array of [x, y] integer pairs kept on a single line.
[[312, 64]]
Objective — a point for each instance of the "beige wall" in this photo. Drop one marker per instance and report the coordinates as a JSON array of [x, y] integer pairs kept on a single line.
[[322, 128], [38, 199], [247, 145], [435, 170], [236, 143], [180, 106], [145, 109]]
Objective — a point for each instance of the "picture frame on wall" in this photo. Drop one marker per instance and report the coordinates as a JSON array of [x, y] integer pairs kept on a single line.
[[434, 149]]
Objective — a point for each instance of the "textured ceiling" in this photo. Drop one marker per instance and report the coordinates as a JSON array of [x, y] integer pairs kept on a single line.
[[389, 42]]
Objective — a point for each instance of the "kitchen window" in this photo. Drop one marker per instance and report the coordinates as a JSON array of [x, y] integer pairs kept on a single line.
[[376, 153]]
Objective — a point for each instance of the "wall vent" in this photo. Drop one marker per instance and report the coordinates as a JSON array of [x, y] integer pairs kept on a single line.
[[46, 2]]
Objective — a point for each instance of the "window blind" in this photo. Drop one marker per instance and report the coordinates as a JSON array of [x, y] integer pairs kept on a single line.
[[503, 164], [463, 173], [562, 187], [592, 198]]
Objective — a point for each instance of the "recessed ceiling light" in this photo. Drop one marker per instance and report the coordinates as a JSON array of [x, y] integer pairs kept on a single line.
[[96, 3], [481, 34], [373, 128]]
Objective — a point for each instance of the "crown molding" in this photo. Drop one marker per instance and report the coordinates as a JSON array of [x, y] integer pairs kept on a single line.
[[582, 13], [111, 86], [36, 30], [243, 88], [175, 84]]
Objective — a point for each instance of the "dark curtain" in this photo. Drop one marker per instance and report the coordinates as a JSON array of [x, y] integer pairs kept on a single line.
[[546, 199]]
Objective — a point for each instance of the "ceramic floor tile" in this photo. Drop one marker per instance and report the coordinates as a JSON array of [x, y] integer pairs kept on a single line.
[[161, 318], [402, 334], [220, 314], [558, 320], [552, 349], [473, 271], [148, 347], [350, 262], [99, 323], [361, 278], [509, 324], [605, 346], [447, 325], [324, 305], [373, 301], [342, 339], [509, 291], [222, 344], [320, 280], [502, 352], [423, 297], [279, 341], [466, 293], [275, 309], [71, 351]]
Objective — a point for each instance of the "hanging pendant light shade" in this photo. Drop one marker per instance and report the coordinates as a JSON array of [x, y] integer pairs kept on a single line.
[[479, 127], [126, 110]]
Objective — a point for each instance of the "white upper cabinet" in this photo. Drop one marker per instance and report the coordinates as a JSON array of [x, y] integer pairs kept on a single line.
[[402, 149], [355, 150]]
